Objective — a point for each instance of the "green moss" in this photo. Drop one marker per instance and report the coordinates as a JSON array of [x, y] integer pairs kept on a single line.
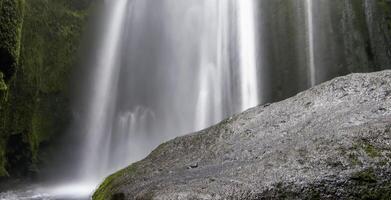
[[3, 85], [371, 151], [105, 190], [382, 193], [11, 20], [368, 148], [39, 42], [385, 5], [354, 159], [366, 175], [368, 187], [3, 171], [47, 64]]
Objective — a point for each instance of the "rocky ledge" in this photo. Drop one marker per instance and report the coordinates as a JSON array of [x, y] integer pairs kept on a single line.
[[330, 142]]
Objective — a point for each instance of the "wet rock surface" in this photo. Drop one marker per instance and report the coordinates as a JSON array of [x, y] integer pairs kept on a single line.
[[332, 141]]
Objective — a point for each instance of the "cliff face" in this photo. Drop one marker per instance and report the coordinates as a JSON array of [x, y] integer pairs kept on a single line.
[[39, 43], [39, 40], [350, 36], [329, 142], [11, 18]]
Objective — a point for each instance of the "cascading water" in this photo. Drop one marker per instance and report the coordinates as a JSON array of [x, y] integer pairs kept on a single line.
[[170, 67], [98, 128], [248, 55], [311, 48], [164, 69], [101, 98]]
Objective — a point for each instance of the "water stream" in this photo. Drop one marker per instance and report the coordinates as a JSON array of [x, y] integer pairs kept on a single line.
[[166, 68]]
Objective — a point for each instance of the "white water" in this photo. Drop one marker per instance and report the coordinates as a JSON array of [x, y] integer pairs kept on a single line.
[[103, 95], [163, 70], [213, 64], [96, 155], [248, 54], [311, 48], [166, 68]]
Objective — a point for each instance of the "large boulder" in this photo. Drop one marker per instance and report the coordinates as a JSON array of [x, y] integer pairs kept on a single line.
[[330, 142]]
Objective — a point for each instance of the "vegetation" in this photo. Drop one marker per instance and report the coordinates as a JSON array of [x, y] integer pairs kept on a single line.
[[105, 190], [39, 43]]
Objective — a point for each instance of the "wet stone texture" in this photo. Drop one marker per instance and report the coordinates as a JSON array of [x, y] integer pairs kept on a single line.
[[330, 142]]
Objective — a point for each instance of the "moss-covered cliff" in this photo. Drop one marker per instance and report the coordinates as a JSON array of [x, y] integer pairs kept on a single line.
[[39, 41]]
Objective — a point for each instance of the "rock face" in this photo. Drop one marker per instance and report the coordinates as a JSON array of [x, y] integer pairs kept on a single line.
[[330, 142], [39, 44]]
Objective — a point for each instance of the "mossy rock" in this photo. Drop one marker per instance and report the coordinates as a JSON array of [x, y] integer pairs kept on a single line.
[[39, 43], [11, 20], [3, 85]]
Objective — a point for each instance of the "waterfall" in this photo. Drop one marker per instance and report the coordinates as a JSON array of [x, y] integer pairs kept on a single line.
[[98, 130], [101, 97], [164, 69], [247, 53], [311, 48]]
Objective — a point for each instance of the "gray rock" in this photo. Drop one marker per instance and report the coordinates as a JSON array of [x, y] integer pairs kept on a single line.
[[330, 142]]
